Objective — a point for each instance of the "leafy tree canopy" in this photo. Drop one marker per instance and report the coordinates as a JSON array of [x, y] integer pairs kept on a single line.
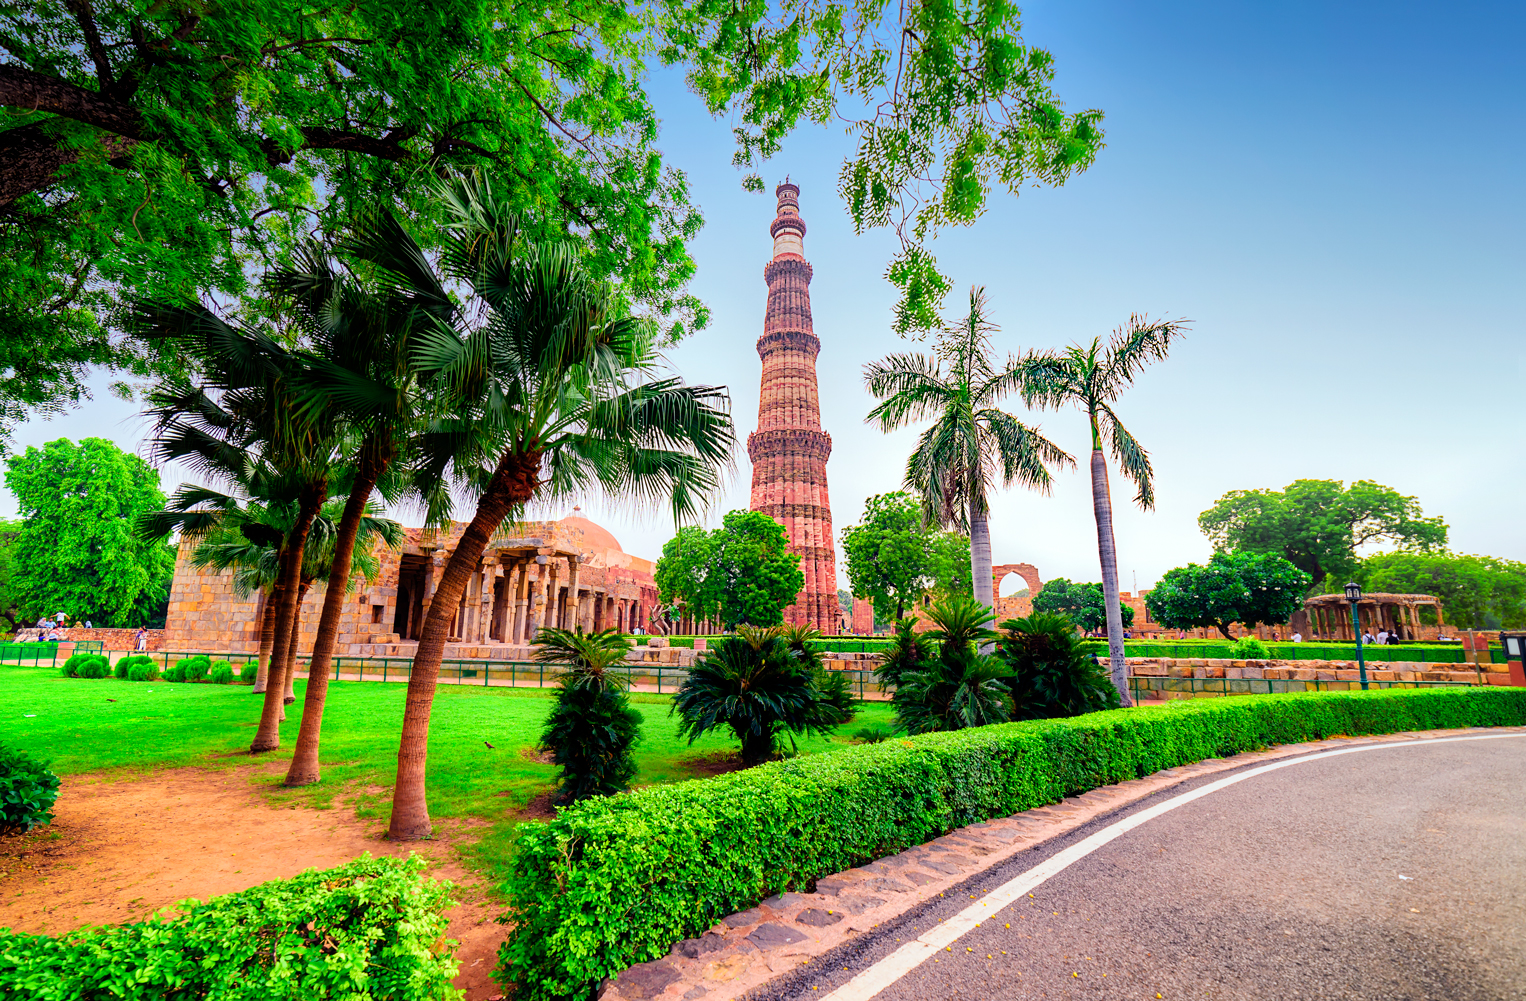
[[158, 149], [1476, 592], [887, 554], [1249, 588], [1083, 603], [1317, 525], [9, 608], [740, 573], [77, 551]]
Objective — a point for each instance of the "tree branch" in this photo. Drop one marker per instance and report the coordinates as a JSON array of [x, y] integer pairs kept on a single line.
[[86, 19], [386, 147], [22, 88]]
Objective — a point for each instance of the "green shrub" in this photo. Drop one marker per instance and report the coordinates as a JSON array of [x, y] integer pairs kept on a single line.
[[176, 672], [121, 668], [592, 729], [1249, 648], [1054, 673], [143, 669], [366, 930], [222, 673], [27, 792], [82, 665], [192, 668], [903, 656], [93, 666], [618, 880], [247, 672], [955, 686]]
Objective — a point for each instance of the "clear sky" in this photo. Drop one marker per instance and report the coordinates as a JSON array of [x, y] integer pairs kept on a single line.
[[1331, 192]]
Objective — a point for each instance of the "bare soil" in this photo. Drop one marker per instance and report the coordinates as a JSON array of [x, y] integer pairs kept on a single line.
[[120, 848]]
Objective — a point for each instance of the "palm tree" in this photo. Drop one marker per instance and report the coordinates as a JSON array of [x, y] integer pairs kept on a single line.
[[564, 395], [959, 687], [248, 411], [592, 728], [760, 686], [1092, 377], [971, 441], [361, 333]]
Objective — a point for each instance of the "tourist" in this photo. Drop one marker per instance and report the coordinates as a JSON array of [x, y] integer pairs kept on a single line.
[[1393, 638], [1298, 637], [1382, 637], [1366, 638], [140, 641]]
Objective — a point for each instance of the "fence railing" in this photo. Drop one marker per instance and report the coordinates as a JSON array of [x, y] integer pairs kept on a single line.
[[28, 653], [1142, 687]]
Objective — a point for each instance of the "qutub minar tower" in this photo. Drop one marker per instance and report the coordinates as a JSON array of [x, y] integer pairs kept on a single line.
[[789, 450]]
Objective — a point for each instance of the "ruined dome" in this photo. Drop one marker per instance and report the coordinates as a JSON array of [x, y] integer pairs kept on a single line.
[[594, 537]]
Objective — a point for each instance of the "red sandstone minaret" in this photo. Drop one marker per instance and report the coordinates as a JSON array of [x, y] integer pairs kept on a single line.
[[789, 450]]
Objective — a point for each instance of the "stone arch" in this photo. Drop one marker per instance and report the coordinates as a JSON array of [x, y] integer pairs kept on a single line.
[[1027, 571]]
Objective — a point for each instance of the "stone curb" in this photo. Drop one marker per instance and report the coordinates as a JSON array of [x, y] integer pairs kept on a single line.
[[747, 949]]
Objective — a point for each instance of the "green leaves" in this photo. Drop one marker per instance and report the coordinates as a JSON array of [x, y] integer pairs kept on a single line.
[[742, 572], [77, 550], [370, 929], [617, 881], [1317, 525], [1244, 587], [1084, 605], [27, 792]]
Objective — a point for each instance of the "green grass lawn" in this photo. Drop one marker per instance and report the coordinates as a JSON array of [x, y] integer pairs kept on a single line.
[[75, 723]]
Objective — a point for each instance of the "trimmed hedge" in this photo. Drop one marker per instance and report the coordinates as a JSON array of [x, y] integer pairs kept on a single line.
[[1449, 653], [367, 931], [616, 881], [87, 665]]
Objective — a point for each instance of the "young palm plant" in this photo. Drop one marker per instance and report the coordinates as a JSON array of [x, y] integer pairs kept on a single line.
[[959, 687], [972, 442], [760, 689], [1053, 672], [1092, 378], [592, 730], [906, 655], [564, 395]]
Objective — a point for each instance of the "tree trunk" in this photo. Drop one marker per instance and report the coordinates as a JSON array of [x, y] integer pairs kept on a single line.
[[268, 604], [1107, 550], [268, 736], [1225, 630], [304, 762], [292, 646], [513, 484], [980, 560]]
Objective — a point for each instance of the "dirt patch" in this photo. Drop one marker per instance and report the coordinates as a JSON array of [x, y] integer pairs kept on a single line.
[[542, 807], [704, 766], [544, 755], [121, 848]]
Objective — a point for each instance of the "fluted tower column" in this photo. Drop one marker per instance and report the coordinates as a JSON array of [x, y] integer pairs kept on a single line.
[[789, 450]]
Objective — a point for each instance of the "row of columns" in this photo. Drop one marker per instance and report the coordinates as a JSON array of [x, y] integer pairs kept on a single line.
[[1336, 620], [511, 601]]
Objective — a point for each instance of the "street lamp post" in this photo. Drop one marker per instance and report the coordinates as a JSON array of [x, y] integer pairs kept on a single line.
[[1354, 595]]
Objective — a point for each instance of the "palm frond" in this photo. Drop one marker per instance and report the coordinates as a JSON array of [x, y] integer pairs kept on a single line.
[[1133, 460]]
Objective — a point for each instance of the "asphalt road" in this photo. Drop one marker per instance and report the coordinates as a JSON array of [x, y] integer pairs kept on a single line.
[[1396, 873]]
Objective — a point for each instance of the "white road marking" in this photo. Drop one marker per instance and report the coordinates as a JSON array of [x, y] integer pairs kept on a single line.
[[943, 935]]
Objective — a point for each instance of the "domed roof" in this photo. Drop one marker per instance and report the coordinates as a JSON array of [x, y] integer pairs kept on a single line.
[[594, 537]]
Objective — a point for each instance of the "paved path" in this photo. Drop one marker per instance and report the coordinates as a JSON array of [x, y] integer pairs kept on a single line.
[[1286, 885]]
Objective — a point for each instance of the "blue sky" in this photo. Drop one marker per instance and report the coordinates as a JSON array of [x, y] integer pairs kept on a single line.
[[1331, 192]]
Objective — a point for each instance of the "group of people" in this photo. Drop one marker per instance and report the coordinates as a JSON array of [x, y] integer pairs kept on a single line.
[[1383, 638]]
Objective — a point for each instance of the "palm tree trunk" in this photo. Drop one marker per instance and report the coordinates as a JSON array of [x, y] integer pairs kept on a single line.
[[268, 604], [513, 484], [1107, 550], [268, 736], [304, 762], [292, 646], [980, 560]]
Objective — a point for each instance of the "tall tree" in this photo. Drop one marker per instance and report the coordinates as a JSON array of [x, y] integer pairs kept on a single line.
[[971, 443], [1317, 525], [567, 397], [10, 608], [1477, 592], [361, 325], [1092, 377], [153, 150], [246, 407], [1249, 588], [887, 551], [77, 551], [1084, 604], [681, 570]]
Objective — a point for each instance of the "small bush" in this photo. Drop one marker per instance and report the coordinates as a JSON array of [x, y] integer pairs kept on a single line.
[[176, 673], [122, 667], [1054, 673], [370, 929], [247, 673], [873, 734], [592, 729], [94, 666], [193, 668], [143, 669], [76, 666], [1249, 648], [27, 792], [222, 673]]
